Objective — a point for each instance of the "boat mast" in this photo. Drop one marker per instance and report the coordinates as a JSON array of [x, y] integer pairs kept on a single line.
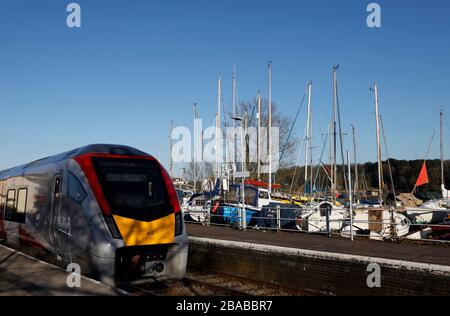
[[234, 104], [341, 140], [259, 137], [219, 87], [170, 149], [441, 125], [308, 134], [334, 167], [195, 137], [270, 125], [311, 159], [380, 167], [356, 190]]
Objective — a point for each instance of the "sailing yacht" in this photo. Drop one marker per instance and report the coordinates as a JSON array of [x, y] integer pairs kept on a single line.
[[438, 210], [314, 217], [320, 216], [378, 222]]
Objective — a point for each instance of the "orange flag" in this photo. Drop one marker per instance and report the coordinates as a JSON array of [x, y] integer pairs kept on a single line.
[[423, 176]]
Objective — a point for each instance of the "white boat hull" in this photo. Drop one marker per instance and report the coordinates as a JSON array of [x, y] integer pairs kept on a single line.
[[431, 212], [314, 219], [381, 229]]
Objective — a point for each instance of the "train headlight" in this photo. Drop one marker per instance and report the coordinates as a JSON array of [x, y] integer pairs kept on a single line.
[[178, 224]]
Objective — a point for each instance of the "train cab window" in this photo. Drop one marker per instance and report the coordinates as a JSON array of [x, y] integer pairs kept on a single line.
[[133, 188], [76, 190], [10, 205]]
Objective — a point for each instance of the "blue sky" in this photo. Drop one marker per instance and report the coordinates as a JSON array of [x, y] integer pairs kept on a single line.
[[135, 65]]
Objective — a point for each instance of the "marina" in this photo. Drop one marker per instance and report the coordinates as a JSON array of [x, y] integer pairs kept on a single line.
[[219, 156], [241, 199]]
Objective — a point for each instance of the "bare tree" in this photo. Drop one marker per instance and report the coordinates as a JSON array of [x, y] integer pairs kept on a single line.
[[288, 145]]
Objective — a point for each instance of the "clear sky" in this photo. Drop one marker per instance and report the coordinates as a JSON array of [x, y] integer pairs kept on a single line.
[[135, 65]]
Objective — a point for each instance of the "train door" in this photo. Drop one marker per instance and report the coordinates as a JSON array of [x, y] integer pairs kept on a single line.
[[2, 214], [60, 223]]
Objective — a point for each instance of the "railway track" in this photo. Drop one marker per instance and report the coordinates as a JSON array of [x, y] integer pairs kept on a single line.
[[209, 284]]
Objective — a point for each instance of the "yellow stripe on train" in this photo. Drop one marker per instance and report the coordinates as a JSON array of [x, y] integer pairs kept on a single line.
[[138, 233]]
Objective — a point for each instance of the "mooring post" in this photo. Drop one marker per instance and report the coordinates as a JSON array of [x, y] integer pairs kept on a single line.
[[208, 214], [278, 218], [328, 221]]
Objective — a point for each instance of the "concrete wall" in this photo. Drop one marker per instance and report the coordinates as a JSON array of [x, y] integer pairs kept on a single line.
[[315, 272]]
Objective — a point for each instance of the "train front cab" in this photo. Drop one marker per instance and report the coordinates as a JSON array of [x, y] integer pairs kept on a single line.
[[141, 210]]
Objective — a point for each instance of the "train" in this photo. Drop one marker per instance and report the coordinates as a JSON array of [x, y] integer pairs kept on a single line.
[[111, 209]]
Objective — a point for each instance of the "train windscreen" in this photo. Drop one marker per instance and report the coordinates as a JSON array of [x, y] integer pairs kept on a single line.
[[133, 188]]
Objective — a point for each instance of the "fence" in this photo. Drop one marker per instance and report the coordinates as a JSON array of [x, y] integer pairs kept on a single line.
[[386, 224]]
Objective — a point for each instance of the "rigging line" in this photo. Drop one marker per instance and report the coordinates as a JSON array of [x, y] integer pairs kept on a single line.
[[203, 164], [446, 125], [399, 125], [290, 131], [388, 158], [426, 155], [341, 137], [429, 145], [224, 135], [292, 126], [297, 161], [320, 160]]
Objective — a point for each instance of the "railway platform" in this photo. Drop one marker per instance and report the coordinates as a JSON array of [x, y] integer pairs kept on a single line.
[[402, 250], [319, 265], [22, 275]]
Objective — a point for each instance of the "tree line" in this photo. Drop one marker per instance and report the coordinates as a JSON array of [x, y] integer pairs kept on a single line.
[[404, 176]]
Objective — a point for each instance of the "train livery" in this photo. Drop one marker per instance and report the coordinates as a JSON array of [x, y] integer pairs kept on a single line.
[[111, 209]]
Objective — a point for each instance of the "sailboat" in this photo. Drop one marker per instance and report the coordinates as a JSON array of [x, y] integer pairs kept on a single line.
[[378, 222], [437, 210], [320, 216]]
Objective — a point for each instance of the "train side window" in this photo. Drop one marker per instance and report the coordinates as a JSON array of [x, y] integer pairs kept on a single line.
[[10, 205], [21, 205], [2, 202], [57, 188], [76, 190]]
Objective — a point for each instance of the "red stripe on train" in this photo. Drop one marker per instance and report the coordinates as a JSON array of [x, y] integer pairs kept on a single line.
[[25, 239], [85, 162], [2, 227]]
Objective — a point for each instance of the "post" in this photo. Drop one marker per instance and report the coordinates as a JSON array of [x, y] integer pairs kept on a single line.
[[219, 87], [208, 215], [350, 195], [243, 211], [441, 125], [327, 217], [234, 104], [311, 163], [380, 170], [195, 136], [270, 127], [278, 214], [334, 166], [308, 134], [170, 150], [258, 154], [356, 191]]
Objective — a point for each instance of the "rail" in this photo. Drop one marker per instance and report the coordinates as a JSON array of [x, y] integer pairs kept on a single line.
[[375, 223]]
